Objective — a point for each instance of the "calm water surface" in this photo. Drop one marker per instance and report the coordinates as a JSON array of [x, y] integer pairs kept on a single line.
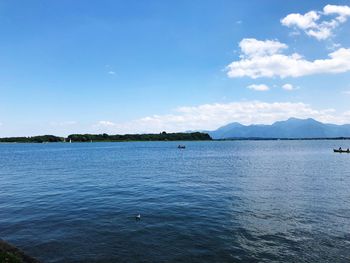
[[250, 201]]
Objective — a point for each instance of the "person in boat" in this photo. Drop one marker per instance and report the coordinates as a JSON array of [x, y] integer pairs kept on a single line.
[[348, 150], [339, 148]]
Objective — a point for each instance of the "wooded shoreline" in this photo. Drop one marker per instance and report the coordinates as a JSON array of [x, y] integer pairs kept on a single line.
[[193, 136]]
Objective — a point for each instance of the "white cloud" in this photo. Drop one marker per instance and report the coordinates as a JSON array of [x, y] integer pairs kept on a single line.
[[333, 46], [305, 21], [313, 25], [106, 123], [343, 12], [63, 123], [252, 47], [320, 33], [258, 87], [212, 116], [258, 61], [111, 72], [288, 87]]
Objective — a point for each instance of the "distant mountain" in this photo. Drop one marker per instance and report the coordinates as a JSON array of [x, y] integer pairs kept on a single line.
[[292, 128]]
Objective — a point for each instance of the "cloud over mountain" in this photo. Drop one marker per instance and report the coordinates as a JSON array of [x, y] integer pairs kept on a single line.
[[211, 116]]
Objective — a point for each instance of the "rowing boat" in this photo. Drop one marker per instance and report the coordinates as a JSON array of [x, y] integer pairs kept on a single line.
[[341, 151]]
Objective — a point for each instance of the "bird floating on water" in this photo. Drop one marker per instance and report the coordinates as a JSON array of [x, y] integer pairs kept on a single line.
[[138, 217]]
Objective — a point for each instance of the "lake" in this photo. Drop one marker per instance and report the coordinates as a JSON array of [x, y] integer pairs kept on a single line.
[[228, 201]]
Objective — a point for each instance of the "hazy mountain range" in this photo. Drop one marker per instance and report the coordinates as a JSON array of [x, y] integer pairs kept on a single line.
[[292, 128]]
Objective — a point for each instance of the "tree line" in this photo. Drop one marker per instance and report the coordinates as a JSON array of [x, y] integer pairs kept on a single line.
[[193, 136], [33, 139]]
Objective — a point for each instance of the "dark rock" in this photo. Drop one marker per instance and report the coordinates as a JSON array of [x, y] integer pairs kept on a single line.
[[11, 254]]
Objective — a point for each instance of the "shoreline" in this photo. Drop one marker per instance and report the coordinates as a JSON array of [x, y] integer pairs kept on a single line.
[[106, 141], [12, 254], [212, 140]]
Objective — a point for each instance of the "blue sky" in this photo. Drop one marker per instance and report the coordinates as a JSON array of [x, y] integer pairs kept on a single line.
[[147, 66]]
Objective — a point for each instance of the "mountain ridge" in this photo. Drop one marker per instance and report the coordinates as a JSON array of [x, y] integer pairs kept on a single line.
[[292, 128]]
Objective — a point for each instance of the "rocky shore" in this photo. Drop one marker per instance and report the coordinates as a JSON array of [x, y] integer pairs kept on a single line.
[[11, 254]]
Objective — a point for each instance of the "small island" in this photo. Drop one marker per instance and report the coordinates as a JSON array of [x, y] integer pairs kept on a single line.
[[163, 136]]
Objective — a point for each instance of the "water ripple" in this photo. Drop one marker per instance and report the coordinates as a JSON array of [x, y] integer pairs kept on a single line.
[[276, 201]]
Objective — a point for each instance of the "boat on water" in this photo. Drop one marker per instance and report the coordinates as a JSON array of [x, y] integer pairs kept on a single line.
[[341, 151], [181, 147]]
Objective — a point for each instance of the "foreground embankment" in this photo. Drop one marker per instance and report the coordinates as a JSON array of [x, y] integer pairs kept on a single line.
[[11, 254]]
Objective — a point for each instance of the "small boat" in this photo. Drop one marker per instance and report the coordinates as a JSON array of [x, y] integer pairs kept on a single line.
[[341, 151], [181, 147]]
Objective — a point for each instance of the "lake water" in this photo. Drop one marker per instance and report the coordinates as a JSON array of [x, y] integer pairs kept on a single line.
[[248, 201]]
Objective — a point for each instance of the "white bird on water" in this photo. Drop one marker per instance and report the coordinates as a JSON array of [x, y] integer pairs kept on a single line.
[[138, 217]]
